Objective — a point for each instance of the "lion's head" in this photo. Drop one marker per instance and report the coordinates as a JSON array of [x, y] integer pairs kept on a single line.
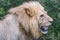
[[33, 17]]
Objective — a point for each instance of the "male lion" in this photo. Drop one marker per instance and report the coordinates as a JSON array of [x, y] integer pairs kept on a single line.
[[25, 22]]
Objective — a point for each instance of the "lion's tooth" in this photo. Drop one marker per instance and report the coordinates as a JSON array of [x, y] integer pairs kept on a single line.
[[45, 28], [44, 32]]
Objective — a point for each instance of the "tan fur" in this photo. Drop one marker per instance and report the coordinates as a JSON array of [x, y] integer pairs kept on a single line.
[[22, 22]]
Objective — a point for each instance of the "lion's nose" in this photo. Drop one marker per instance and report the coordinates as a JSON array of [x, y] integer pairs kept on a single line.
[[50, 20]]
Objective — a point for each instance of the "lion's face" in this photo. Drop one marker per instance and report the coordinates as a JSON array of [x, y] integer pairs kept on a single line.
[[43, 21], [33, 18]]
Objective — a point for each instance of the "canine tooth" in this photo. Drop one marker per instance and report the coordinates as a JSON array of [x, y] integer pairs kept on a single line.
[[46, 28]]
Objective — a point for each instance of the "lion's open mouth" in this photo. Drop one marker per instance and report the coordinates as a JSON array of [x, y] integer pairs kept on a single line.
[[44, 29]]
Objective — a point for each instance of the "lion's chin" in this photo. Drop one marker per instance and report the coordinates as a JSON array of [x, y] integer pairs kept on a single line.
[[44, 29]]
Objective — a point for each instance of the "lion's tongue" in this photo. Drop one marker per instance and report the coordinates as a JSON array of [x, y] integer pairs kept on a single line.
[[44, 30]]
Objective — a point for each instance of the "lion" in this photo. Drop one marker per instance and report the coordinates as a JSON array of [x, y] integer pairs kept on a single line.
[[27, 21]]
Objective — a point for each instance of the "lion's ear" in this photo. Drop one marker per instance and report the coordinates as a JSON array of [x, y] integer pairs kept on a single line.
[[28, 12]]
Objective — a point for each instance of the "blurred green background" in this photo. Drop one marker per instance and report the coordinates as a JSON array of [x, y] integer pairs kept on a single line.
[[51, 6]]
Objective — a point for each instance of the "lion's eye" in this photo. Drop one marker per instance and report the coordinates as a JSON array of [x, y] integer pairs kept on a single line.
[[41, 15]]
